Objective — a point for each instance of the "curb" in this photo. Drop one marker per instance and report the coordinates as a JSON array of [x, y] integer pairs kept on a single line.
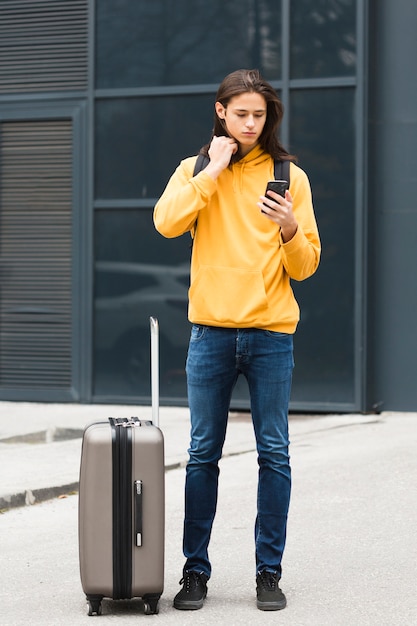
[[29, 497]]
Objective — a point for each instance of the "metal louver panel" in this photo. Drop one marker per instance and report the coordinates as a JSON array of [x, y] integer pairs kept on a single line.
[[43, 45], [35, 254]]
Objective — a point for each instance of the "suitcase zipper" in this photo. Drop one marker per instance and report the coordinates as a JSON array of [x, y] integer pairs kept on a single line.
[[122, 508]]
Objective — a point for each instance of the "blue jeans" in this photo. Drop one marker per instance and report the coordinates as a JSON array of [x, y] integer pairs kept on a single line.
[[216, 357]]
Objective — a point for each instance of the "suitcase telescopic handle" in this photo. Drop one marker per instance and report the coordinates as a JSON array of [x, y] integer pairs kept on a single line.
[[155, 369]]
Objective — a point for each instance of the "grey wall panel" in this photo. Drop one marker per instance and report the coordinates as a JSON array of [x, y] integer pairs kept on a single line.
[[43, 45], [35, 254], [393, 207]]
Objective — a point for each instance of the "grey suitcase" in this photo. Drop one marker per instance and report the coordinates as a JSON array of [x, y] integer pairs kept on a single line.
[[122, 506]]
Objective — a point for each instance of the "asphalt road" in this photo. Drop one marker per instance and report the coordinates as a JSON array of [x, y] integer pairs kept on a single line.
[[351, 552]]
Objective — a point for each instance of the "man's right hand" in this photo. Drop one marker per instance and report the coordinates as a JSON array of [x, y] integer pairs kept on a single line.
[[220, 152]]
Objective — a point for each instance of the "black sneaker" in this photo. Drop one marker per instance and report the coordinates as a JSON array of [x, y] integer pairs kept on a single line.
[[269, 596], [193, 593]]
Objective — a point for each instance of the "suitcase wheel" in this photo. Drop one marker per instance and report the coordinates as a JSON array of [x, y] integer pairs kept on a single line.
[[94, 606], [150, 605]]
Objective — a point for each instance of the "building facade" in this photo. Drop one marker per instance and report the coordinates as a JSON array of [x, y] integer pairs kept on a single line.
[[101, 99]]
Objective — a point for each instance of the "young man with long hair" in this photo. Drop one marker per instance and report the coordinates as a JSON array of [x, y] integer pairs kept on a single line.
[[247, 247]]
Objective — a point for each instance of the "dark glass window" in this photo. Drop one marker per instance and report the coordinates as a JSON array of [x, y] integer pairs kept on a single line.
[[140, 141], [323, 38], [138, 274], [322, 134], [141, 44]]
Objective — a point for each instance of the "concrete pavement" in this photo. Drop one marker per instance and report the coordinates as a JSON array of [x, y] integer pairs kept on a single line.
[[351, 552], [40, 444]]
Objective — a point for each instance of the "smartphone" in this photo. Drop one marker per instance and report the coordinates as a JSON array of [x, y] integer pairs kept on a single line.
[[279, 186]]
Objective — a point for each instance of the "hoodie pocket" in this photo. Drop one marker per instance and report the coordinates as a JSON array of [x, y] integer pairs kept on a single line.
[[228, 296]]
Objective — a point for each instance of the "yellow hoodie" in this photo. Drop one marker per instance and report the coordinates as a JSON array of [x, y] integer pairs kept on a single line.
[[240, 267]]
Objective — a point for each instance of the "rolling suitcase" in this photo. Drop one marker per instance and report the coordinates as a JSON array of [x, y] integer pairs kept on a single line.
[[121, 506]]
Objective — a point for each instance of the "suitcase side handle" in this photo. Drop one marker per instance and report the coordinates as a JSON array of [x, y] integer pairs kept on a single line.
[[155, 369], [138, 513]]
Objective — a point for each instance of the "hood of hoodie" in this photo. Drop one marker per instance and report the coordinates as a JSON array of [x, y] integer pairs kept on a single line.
[[248, 164]]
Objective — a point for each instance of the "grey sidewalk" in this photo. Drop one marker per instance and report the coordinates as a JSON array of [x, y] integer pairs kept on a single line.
[[40, 444], [351, 551]]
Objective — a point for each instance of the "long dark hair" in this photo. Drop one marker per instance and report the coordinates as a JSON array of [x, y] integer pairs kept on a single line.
[[244, 81]]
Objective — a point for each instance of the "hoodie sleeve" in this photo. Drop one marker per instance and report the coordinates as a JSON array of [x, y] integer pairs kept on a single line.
[[177, 209], [301, 255]]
